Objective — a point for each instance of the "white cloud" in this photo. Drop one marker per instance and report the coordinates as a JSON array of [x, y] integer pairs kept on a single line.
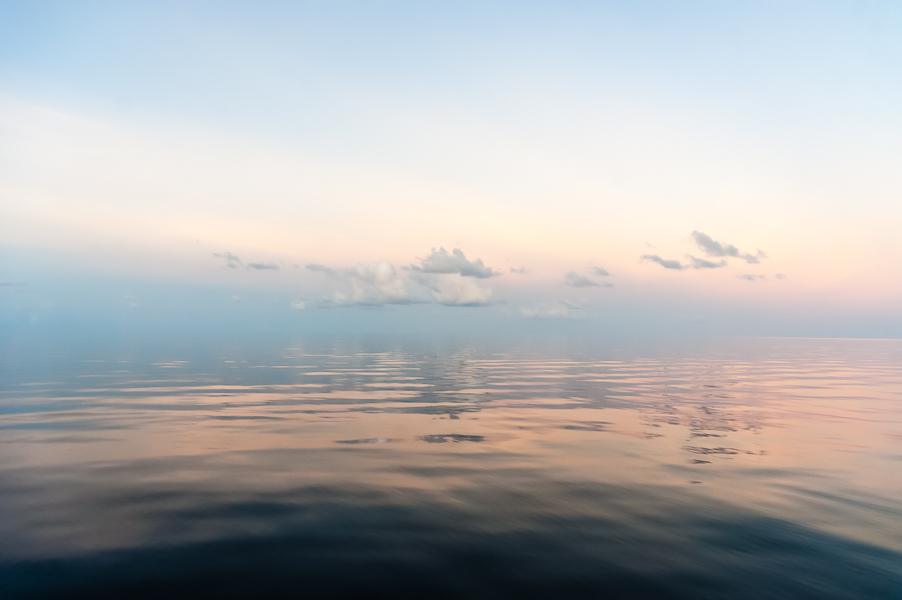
[[372, 284], [440, 262], [298, 305], [449, 279], [453, 289]]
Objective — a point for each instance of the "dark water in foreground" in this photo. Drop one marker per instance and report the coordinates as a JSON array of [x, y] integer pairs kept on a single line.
[[387, 469]]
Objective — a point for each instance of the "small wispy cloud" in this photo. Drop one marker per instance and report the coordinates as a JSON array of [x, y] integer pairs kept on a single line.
[[257, 266], [666, 263], [233, 262], [700, 263], [751, 277], [520, 271], [576, 280], [298, 305], [694, 262], [714, 248], [230, 259], [780, 276]]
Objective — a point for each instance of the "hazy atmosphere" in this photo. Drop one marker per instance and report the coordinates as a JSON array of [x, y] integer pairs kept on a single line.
[[451, 300], [718, 168]]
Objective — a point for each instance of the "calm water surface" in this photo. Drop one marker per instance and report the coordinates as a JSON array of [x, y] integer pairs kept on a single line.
[[389, 468]]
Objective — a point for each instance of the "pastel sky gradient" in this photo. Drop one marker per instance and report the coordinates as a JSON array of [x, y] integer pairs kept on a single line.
[[723, 162]]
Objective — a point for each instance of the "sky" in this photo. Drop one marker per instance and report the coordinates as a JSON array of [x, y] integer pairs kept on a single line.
[[731, 168]]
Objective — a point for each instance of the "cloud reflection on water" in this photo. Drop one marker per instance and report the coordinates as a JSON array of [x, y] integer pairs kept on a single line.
[[462, 472]]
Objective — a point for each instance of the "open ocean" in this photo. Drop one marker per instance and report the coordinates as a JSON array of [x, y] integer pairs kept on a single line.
[[383, 467]]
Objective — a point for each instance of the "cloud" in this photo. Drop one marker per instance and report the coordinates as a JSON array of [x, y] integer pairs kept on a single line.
[[452, 278], [440, 262], [700, 263], [722, 249], [454, 289], [231, 260], [694, 263], [449, 279], [555, 310], [316, 268], [520, 271], [373, 284], [751, 277], [575, 280], [298, 305], [667, 264], [780, 276]]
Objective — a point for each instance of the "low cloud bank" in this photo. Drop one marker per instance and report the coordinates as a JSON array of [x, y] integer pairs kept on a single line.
[[453, 289], [443, 278], [374, 284], [561, 309]]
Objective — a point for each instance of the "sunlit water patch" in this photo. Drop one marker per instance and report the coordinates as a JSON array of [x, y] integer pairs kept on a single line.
[[737, 469]]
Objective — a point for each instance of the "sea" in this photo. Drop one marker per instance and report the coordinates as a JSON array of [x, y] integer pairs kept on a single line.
[[454, 467]]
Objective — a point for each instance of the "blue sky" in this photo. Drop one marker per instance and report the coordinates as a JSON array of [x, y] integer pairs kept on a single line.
[[353, 147]]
